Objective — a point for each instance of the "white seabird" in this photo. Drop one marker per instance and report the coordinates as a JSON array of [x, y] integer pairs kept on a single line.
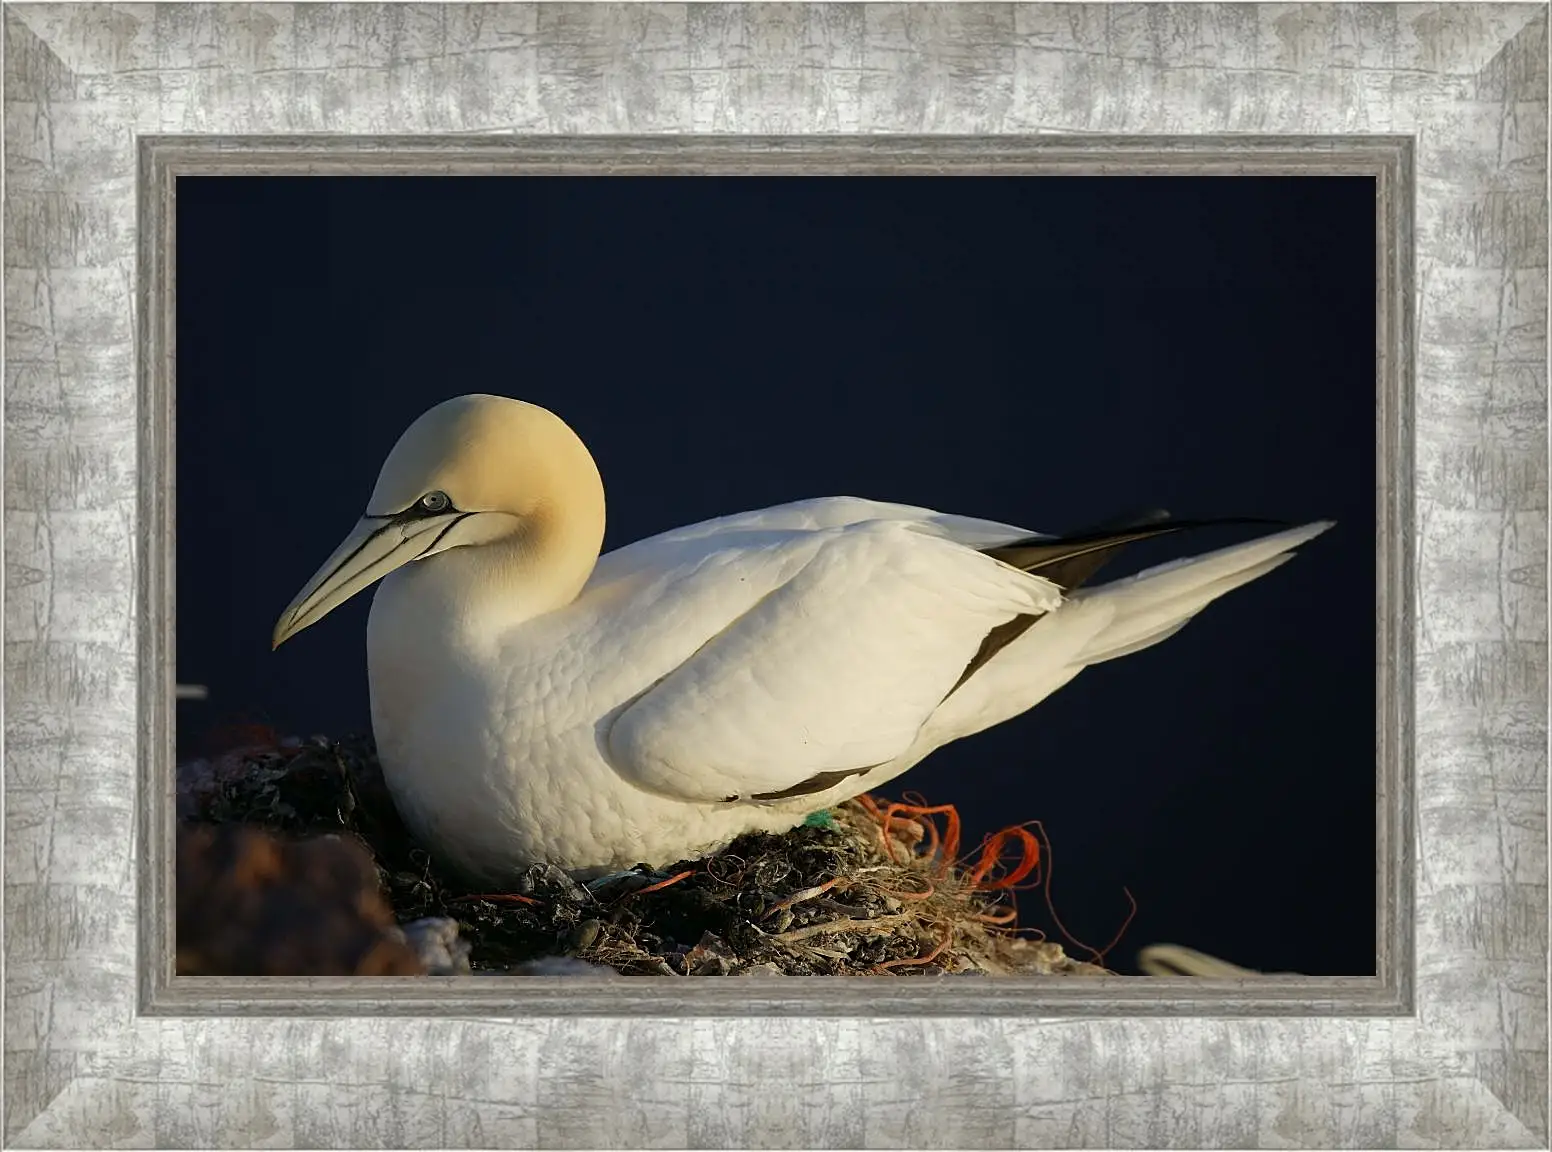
[[535, 702]]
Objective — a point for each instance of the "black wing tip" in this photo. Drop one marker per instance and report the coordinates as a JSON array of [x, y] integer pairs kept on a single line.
[[1142, 519], [1161, 523], [1071, 560]]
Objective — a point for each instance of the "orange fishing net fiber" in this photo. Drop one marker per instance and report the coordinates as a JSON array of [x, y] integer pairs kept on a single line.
[[981, 875]]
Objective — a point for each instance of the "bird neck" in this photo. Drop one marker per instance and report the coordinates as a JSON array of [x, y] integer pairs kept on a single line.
[[552, 556], [485, 589], [542, 566]]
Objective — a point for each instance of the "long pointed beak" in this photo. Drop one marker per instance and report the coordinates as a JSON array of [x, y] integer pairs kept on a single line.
[[374, 548]]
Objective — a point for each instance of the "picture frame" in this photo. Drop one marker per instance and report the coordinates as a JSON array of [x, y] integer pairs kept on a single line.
[[1446, 106]]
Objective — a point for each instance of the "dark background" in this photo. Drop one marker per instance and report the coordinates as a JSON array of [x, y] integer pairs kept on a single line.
[[1048, 352]]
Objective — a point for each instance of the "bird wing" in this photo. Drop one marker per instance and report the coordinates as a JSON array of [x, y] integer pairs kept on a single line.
[[667, 549], [826, 672]]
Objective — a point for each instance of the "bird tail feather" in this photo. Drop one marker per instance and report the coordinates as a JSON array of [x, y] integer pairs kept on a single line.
[[1157, 602]]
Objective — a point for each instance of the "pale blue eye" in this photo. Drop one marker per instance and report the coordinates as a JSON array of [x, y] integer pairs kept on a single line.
[[435, 501]]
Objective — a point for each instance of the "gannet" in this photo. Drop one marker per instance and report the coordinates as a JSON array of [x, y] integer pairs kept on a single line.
[[534, 702]]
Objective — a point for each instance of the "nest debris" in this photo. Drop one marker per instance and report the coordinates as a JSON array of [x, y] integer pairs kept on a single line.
[[867, 888]]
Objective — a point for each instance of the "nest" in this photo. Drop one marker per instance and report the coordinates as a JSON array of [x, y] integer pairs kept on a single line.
[[867, 888]]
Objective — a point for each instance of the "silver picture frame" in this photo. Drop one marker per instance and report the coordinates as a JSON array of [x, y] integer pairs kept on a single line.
[[1445, 106]]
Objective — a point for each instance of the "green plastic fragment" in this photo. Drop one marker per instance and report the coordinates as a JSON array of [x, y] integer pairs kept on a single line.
[[819, 820]]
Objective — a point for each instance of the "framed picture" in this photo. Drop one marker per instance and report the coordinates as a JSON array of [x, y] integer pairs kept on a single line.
[[1089, 390], [1037, 265]]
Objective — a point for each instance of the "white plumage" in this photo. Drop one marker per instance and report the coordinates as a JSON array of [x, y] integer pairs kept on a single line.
[[532, 701]]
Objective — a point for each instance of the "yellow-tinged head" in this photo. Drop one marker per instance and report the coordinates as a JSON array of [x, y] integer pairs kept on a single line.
[[474, 471]]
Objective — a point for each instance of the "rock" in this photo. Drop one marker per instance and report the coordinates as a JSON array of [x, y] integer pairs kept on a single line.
[[563, 966], [250, 904], [436, 943], [766, 969]]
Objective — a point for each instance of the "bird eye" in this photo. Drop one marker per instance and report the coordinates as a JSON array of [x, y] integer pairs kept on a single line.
[[435, 501]]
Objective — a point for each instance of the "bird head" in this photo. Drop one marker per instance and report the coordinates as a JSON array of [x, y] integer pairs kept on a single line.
[[474, 471]]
